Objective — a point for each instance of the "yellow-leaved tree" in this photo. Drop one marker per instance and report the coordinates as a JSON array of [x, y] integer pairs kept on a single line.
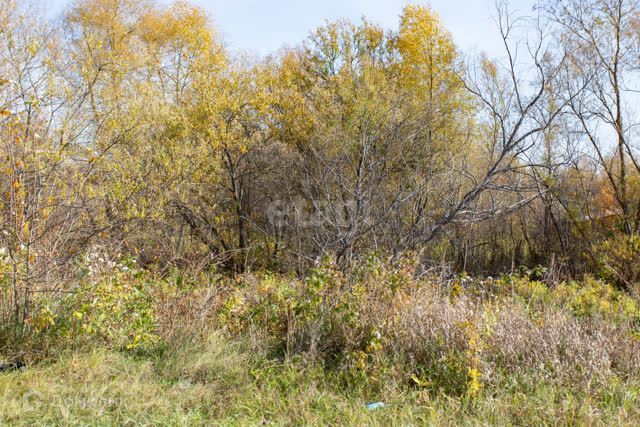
[[378, 120], [144, 67]]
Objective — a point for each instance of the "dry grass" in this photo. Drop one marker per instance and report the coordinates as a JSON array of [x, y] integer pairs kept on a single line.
[[269, 349]]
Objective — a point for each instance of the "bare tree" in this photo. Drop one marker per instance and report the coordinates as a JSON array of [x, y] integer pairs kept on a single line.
[[602, 43]]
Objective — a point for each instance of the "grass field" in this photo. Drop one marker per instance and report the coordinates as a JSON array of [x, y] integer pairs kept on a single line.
[[274, 350], [224, 383]]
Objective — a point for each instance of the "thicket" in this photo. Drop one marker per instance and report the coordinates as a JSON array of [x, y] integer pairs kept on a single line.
[[371, 203]]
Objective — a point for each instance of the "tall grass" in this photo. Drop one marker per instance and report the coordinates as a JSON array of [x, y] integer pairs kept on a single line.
[[277, 349]]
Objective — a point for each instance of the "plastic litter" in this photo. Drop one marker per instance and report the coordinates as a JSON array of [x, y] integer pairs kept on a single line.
[[13, 366], [375, 405]]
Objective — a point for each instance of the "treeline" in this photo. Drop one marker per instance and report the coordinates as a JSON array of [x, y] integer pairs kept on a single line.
[[126, 128]]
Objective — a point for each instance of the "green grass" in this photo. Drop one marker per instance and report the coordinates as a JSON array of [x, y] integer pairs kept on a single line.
[[296, 354], [222, 382]]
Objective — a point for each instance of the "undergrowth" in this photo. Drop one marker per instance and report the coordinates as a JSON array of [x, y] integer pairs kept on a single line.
[[129, 347]]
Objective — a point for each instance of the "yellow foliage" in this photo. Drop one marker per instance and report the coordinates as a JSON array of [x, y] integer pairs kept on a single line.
[[428, 52]]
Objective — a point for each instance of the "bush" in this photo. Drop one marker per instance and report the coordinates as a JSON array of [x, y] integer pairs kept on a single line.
[[618, 261], [115, 310], [377, 331], [379, 324]]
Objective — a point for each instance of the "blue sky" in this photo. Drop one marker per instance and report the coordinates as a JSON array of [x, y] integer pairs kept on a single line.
[[263, 26]]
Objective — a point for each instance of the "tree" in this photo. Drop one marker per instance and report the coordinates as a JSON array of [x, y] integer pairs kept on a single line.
[[601, 39], [45, 207]]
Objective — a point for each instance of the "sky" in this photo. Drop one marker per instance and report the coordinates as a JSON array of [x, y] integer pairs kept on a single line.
[[261, 27]]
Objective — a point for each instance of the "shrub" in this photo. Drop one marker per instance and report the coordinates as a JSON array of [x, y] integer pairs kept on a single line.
[[593, 298], [618, 260], [375, 327], [381, 325], [116, 310]]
